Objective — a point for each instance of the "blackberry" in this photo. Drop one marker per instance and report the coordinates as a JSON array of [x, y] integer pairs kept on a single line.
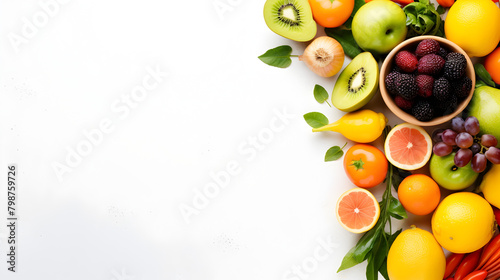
[[455, 56], [422, 110], [390, 82], [454, 69], [442, 53], [461, 88], [441, 89], [406, 86]]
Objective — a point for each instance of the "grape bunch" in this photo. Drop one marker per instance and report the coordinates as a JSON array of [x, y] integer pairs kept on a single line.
[[463, 137]]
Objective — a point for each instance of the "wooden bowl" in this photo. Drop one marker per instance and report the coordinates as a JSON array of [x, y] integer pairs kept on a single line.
[[410, 45]]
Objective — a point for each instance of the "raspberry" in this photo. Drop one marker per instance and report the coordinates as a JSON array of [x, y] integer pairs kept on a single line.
[[424, 85], [427, 46], [406, 86], [403, 103], [406, 61], [430, 64]]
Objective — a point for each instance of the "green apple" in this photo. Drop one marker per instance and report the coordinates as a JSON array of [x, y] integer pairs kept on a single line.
[[485, 106], [379, 26], [448, 175]]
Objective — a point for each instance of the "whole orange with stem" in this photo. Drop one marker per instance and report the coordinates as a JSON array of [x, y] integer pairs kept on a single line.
[[329, 13], [492, 65], [419, 194]]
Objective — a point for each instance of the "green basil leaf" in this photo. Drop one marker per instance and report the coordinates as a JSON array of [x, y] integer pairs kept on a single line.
[[371, 270], [358, 253], [278, 57], [334, 153], [480, 83], [357, 5], [320, 94], [316, 119], [393, 237], [397, 210], [383, 270], [346, 40], [483, 74]]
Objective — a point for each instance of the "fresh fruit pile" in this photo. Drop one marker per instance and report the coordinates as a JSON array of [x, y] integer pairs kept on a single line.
[[429, 81], [426, 81]]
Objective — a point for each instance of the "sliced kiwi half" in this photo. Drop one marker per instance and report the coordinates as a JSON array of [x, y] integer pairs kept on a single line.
[[356, 84], [291, 19]]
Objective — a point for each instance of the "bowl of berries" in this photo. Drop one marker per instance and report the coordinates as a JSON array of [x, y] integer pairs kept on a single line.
[[427, 80]]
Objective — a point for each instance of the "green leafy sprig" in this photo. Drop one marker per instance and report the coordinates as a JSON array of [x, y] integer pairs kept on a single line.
[[317, 120], [374, 245], [278, 57], [423, 19]]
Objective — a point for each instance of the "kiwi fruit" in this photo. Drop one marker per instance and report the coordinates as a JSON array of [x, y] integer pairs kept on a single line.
[[291, 19], [356, 84]]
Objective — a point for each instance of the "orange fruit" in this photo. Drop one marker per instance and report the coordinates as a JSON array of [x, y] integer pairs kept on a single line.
[[474, 25], [357, 210], [419, 194], [492, 65], [408, 146]]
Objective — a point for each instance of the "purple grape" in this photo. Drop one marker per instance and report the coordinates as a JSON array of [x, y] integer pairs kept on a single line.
[[471, 125], [493, 155], [478, 163], [449, 137], [437, 135], [441, 149], [464, 140], [462, 157], [488, 140], [475, 148], [457, 124]]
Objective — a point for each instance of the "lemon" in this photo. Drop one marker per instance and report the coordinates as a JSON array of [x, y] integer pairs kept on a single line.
[[474, 25], [416, 255], [463, 222], [490, 187]]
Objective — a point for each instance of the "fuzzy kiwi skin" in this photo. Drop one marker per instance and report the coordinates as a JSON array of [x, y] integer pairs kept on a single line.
[[303, 29], [350, 99]]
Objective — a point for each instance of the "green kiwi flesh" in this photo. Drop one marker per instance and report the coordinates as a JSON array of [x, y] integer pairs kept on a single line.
[[356, 84], [291, 19]]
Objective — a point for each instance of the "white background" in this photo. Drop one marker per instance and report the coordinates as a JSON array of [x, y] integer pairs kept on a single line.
[[116, 212]]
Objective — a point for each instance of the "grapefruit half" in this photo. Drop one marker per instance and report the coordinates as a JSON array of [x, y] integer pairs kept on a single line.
[[408, 146], [357, 210]]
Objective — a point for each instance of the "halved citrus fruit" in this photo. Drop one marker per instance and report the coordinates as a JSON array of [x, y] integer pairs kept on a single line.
[[408, 146], [357, 210]]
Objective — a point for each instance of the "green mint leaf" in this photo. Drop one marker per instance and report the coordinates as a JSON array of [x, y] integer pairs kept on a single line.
[[278, 57], [316, 119], [320, 94], [484, 75], [334, 153], [397, 210], [357, 5], [346, 40]]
